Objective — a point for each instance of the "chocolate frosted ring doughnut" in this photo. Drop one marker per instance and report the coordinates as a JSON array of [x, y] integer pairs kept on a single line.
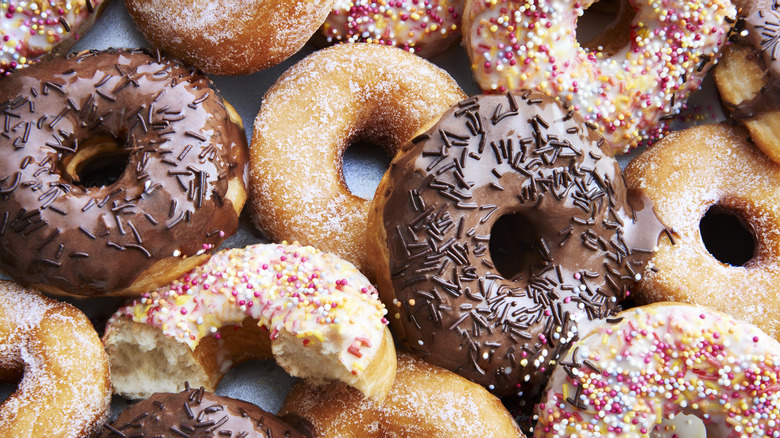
[[514, 174], [64, 228]]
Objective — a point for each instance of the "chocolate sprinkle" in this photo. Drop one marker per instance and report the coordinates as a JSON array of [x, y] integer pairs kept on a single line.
[[117, 96], [544, 160]]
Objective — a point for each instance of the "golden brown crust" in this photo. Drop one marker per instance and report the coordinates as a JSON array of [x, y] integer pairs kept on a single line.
[[65, 390], [229, 38], [740, 77], [343, 94], [687, 173], [425, 401]]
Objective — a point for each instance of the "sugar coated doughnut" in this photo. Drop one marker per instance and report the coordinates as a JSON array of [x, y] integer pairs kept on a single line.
[[423, 28], [30, 29], [706, 172], [320, 317], [655, 362], [65, 389], [501, 229], [195, 413], [748, 76], [122, 170], [641, 69], [337, 96], [229, 38], [425, 401]]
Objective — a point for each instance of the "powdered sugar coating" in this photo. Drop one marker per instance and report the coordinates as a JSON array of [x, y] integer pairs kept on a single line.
[[332, 98], [652, 363], [65, 391], [229, 36], [298, 290], [425, 401], [684, 175]]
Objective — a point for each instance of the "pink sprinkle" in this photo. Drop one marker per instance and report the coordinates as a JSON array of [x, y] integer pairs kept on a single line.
[[183, 311], [755, 338]]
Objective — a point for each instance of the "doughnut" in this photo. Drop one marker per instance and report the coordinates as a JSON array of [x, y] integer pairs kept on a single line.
[[319, 317], [708, 173], [501, 229], [748, 77], [335, 97], [655, 362], [195, 413], [228, 38], [65, 389], [423, 28], [425, 401], [638, 72], [31, 29], [122, 171]]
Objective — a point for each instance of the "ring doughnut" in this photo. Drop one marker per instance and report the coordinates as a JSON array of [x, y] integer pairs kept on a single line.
[[748, 77], [465, 289], [196, 413], [319, 316], [689, 180], [31, 29], [65, 389], [177, 198], [227, 38], [337, 96], [425, 401], [651, 363], [641, 69], [423, 28]]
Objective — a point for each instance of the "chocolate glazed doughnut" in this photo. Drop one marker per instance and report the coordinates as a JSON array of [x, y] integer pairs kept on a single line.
[[180, 192], [500, 230]]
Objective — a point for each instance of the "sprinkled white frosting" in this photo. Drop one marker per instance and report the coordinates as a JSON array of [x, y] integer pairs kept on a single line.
[[651, 363], [312, 295]]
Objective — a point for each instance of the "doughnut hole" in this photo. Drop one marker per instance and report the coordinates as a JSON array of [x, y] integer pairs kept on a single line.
[[99, 161], [727, 236], [364, 164], [605, 26], [513, 247]]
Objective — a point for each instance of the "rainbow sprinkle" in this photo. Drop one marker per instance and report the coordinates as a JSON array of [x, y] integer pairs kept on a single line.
[[31, 28], [516, 44], [653, 363], [417, 26], [312, 295]]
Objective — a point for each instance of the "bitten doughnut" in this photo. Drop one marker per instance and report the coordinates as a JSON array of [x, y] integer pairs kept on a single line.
[[317, 314], [229, 38], [122, 170], [195, 413], [425, 401], [748, 76], [655, 362], [640, 70], [31, 29], [713, 173], [65, 389], [335, 97], [501, 229], [423, 28]]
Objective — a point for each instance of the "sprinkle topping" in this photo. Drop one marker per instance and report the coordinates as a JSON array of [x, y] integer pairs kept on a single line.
[[518, 44], [310, 294], [659, 361]]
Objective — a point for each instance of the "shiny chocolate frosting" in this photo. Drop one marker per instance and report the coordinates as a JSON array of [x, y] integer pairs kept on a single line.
[[163, 120], [507, 227], [195, 413]]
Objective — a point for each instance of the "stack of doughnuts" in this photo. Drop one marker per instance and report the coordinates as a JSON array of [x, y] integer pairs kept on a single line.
[[495, 258]]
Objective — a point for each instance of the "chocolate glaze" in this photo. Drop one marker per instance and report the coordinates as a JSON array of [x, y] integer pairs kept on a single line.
[[168, 202], [762, 23], [195, 413], [491, 156]]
